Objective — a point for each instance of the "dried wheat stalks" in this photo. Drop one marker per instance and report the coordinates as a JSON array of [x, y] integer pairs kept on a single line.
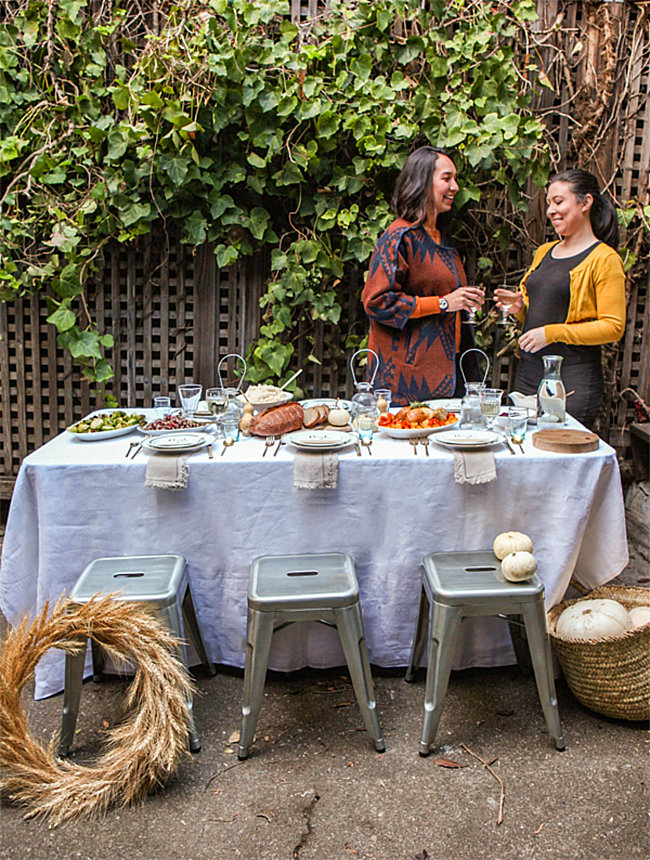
[[141, 753]]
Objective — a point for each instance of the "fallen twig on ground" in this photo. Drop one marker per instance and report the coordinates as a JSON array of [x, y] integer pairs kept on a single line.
[[500, 781]]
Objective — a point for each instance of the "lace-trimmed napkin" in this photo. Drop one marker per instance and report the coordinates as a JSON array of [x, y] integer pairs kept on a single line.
[[315, 471], [474, 467], [167, 473]]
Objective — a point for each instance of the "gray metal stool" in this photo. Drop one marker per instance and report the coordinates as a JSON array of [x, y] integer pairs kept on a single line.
[[288, 588], [158, 580], [459, 584]]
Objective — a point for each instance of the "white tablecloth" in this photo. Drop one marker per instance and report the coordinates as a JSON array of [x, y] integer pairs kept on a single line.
[[75, 501]]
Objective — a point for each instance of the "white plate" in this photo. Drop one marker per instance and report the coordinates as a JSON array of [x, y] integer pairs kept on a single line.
[[259, 406], [101, 434], [320, 440], [415, 432], [205, 427], [450, 404], [332, 402], [467, 438], [178, 442]]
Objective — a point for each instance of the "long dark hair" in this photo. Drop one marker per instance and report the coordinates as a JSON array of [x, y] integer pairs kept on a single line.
[[602, 214], [413, 187]]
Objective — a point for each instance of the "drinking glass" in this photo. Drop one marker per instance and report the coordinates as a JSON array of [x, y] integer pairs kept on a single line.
[[230, 427], [471, 313], [517, 422], [365, 425], [162, 405], [491, 404], [506, 304], [217, 400], [190, 396]]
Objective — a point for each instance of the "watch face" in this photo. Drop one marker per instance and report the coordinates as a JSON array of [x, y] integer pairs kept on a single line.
[[444, 304]]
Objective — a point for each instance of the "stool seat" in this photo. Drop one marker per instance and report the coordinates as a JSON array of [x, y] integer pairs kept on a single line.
[[159, 581], [456, 585], [284, 589]]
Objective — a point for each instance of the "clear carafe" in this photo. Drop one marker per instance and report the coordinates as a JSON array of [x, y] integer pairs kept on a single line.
[[471, 416], [551, 394], [364, 401]]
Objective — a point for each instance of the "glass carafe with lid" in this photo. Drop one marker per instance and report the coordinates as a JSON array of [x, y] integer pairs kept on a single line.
[[551, 394], [230, 419], [364, 401], [471, 417]]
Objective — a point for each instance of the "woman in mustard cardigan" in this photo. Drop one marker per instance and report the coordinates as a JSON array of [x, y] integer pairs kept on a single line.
[[572, 299]]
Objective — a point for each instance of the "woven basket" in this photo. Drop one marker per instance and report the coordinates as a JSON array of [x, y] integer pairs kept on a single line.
[[609, 675]]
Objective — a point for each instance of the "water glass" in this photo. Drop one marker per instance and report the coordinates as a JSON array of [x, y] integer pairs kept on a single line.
[[217, 400], [517, 422], [190, 397], [230, 427], [365, 425], [162, 405], [491, 404]]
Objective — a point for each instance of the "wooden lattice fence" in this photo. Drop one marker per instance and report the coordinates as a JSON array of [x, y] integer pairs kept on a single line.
[[173, 313]]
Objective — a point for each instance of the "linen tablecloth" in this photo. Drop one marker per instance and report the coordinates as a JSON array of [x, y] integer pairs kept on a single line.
[[75, 501]]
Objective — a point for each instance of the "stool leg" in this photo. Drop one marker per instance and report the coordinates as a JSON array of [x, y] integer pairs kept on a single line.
[[350, 628], [192, 625], [420, 637], [540, 652], [519, 644], [443, 636], [74, 670], [259, 633], [98, 660], [173, 617]]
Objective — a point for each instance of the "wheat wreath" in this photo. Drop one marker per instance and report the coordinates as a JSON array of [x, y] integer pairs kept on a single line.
[[142, 752]]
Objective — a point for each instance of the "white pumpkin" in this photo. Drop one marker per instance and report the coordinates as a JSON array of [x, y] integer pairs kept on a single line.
[[640, 615], [593, 619], [518, 566], [508, 542], [338, 417]]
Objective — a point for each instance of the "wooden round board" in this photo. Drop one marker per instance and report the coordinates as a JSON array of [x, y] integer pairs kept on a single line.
[[566, 441]]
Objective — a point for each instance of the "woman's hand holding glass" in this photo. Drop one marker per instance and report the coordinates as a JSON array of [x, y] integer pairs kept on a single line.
[[468, 299], [508, 301]]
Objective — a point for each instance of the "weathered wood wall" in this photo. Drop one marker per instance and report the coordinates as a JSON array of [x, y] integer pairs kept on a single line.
[[173, 313]]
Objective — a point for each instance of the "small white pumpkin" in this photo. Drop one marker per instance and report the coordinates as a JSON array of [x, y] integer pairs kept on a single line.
[[593, 619], [640, 615], [338, 417], [518, 566], [508, 542]]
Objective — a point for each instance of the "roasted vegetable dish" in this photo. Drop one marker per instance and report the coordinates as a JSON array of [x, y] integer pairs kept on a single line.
[[116, 420], [416, 416]]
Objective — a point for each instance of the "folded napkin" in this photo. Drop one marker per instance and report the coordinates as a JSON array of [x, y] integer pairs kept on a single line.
[[166, 472], [474, 467], [315, 471]]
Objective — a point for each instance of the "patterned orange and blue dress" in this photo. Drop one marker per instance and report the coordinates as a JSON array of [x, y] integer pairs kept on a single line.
[[417, 353]]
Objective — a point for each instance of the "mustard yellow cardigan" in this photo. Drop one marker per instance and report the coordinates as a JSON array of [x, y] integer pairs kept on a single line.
[[597, 299]]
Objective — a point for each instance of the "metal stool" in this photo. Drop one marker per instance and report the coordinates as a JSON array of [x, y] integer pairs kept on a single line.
[[288, 588], [459, 584], [158, 580]]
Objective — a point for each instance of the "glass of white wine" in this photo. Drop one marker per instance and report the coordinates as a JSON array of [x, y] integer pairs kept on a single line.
[[217, 400], [491, 404]]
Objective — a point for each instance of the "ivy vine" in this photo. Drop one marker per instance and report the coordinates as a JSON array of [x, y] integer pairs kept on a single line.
[[246, 130]]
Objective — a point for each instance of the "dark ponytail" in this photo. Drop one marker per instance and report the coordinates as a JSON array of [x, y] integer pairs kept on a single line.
[[602, 214], [413, 186]]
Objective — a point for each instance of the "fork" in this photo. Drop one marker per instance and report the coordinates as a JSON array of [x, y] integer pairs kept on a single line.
[[425, 444], [131, 447], [270, 442], [414, 442], [367, 443], [280, 443]]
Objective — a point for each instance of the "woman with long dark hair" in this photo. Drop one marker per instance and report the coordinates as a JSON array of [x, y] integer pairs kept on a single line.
[[416, 286], [572, 298]]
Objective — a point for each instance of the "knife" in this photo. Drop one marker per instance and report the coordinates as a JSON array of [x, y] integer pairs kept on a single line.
[[357, 448]]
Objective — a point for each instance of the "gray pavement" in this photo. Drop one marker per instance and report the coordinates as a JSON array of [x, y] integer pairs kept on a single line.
[[315, 789]]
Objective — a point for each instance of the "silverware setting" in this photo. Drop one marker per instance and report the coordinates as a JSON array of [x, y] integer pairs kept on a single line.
[[210, 453], [519, 445], [270, 442], [367, 443], [278, 446], [414, 444], [131, 447], [425, 444], [137, 451], [227, 442], [357, 448]]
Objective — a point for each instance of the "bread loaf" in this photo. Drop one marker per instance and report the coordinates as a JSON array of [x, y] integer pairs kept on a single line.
[[277, 420]]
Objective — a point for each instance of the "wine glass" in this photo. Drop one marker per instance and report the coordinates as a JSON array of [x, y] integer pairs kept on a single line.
[[507, 296], [217, 400], [190, 396], [491, 404], [471, 313]]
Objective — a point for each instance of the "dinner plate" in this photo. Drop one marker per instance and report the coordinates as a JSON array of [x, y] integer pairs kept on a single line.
[[204, 428], [332, 402], [320, 440], [450, 404], [467, 438], [101, 434], [414, 432], [178, 442]]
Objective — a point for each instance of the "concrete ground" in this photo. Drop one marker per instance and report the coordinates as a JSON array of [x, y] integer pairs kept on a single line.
[[315, 789]]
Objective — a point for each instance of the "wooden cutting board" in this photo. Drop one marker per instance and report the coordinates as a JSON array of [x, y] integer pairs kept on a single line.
[[566, 441]]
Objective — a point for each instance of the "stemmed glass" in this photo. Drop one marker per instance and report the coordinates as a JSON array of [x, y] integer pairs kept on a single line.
[[471, 313], [217, 400], [491, 404], [190, 396], [506, 296]]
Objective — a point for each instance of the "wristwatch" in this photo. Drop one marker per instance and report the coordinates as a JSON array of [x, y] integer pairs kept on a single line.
[[444, 305]]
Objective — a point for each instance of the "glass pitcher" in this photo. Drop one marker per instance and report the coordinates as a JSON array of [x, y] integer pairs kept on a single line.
[[364, 402], [551, 395], [471, 417]]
